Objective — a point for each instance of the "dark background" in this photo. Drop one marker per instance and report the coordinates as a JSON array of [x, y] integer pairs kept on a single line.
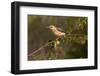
[[72, 47]]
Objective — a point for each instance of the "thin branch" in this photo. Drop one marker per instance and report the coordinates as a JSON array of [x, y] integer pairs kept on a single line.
[[39, 48], [48, 44]]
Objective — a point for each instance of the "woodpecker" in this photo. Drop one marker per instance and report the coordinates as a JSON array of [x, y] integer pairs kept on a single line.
[[57, 31]]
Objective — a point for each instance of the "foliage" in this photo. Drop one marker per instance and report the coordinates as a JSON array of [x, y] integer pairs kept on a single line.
[[73, 45]]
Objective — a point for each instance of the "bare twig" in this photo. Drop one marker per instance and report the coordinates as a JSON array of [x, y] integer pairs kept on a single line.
[[39, 48]]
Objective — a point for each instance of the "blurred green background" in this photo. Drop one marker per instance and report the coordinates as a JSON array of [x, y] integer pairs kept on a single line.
[[73, 46]]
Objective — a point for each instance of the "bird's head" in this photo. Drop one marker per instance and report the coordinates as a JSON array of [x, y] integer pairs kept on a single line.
[[52, 27]]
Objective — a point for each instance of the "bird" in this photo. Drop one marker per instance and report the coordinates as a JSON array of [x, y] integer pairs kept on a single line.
[[57, 31]]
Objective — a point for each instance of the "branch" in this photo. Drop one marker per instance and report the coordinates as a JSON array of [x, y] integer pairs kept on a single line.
[[40, 48]]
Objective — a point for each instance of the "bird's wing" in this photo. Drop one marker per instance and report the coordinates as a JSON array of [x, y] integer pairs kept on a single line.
[[59, 29]]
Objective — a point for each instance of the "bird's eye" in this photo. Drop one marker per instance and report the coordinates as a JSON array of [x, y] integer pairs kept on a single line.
[[51, 27]]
